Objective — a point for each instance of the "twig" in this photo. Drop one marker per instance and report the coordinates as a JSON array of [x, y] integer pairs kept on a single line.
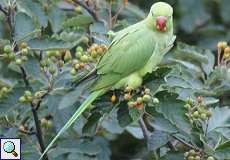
[[89, 10], [35, 115], [184, 142], [144, 128], [3, 10]]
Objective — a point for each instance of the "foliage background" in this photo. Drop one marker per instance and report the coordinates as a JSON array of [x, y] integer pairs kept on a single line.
[[56, 25]]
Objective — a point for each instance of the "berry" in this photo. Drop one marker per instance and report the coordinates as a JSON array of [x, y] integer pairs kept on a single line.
[[85, 40], [192, 152], [147, 98], [28, 94], [4, 90], [131, 104], [85, 58], [127, 97], [67, 56], [77, 9], [191, 158], [196, 114], [18, 61], [79, 49], [197, 158], [186, 154], [210, 158], [156, 101], [24, 51], [7, 49], [113, 98], [147, 91], [139, 100], [222, 45], [22, 99], [189, 101], [52, 70], [23, 45], [11, 56], [73, 72], [203, 116], [188, 106]]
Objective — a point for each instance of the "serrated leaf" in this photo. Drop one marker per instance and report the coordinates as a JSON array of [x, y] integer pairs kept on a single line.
[[23, 26], [223, 151], [220, 119], [91, 124], [157, 139], [123, 116], [56, 17], [173, 110], [48, 44], [34, 10], [80, 20]]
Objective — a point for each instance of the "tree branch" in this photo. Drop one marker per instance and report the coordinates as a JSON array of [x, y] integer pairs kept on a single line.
[[3, 10], [35, 115], [144, 128], [89, 10]]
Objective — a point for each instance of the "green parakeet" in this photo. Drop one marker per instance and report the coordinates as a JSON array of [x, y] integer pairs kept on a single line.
[[134, 52]]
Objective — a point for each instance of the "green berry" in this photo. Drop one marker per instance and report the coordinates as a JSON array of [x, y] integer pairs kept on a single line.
[[85, 40], [67, 56], [147, 98], [186, 154], [156, 101], [131, 104], [4, 90], [24, 51], [210, 158], [189, 101], [191, 158], [139, 100], [85, 58], [127, 97], [192, 152], [22, 99], [147, 91], [79, 49], [78, 9], [8, 49], [52, 70], [203, 116], [73, 72], [195, 114], [28, 93], [188, 106], [11, 56], [18, 61], [197, 158]]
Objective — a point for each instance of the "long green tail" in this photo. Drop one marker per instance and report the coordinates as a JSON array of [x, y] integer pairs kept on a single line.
[[79, 111]]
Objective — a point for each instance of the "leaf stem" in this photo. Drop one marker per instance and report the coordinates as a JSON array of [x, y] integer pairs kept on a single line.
[[144, 128]]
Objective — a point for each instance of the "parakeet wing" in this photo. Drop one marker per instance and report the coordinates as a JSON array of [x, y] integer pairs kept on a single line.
[[127, 54]]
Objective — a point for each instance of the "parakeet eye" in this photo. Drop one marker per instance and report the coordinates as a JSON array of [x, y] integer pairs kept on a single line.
[[161, 23]]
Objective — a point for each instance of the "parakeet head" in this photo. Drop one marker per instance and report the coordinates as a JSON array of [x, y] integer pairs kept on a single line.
[[161, 16]]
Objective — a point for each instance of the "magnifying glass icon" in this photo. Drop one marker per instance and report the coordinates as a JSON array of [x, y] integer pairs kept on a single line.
[[9, 147]]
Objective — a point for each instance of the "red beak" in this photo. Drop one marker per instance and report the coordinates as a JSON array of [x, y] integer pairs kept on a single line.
[[161, 23]]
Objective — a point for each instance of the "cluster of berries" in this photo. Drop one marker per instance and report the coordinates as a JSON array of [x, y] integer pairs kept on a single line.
[[139, 101], [47, 122], [192, 155], [4, 91], [195, 155], [83, 58], [197, 111], [28, 97], [223, 52], [20, 57]]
